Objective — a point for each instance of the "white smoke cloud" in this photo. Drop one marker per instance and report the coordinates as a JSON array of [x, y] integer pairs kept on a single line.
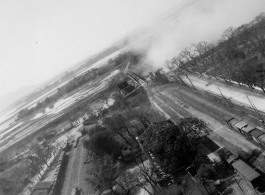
[[199, 21]]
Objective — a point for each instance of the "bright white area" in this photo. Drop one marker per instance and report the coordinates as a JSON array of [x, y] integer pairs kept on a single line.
[[237, 94], [144, 192], [38, 115], [110, 102]]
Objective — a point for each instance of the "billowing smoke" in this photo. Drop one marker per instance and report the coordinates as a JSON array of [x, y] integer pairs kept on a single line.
[[196, 21]]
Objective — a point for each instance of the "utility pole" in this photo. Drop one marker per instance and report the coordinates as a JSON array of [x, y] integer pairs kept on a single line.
[[227, 99], [190, 81], [257, 111], [238, 184]]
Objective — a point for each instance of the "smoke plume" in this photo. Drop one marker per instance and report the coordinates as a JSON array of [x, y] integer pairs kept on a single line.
[[190, 23]]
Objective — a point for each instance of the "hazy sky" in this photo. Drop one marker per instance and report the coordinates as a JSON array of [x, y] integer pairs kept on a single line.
[[40, 38]]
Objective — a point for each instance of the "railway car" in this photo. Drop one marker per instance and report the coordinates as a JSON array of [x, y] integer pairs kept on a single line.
[[262, 141], [257, 134], [247, 129], [232, 122], [240, 125]]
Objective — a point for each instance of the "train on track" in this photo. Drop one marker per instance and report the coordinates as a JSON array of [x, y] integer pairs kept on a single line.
[[256, 134]]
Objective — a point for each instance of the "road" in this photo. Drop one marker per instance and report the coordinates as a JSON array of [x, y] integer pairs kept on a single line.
[[76, 172], [174, 102]]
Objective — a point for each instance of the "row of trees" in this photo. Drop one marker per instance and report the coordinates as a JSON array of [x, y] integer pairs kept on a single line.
[[238, 56], [158, 77]]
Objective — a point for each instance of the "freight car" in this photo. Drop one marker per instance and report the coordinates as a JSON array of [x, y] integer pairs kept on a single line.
[[257, 134]]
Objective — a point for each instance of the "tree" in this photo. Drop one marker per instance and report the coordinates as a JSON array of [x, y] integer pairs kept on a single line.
[[40, 155], [174, 144], [229, 59], [120, 103], [202, 51], [118, 123], [128, 182], [192, 126], [159, 76], [104, 173], [191, 60], [260, 77], [103, 143]]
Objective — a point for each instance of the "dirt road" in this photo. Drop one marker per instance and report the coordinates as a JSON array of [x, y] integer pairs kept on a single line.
[[76, 172]]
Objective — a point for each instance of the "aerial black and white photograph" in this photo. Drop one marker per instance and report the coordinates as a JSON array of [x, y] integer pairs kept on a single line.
[[132, 97]]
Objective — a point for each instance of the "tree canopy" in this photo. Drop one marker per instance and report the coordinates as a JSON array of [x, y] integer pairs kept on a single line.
[[174, 143], [238, 56], [103, 142]]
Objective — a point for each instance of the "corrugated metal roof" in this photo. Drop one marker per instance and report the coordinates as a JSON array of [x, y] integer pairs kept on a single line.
[[241, 124], [213, 157], [249, 173], [248, 128], [256, 133]]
